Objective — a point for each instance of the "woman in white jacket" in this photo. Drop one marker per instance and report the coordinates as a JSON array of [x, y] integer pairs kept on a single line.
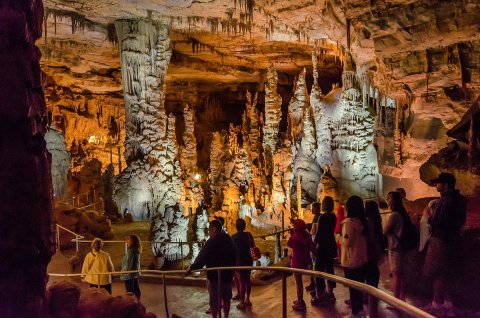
[[354, 248], [98, 261]]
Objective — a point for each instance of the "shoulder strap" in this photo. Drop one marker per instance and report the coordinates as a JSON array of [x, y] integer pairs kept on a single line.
[[91, 264]]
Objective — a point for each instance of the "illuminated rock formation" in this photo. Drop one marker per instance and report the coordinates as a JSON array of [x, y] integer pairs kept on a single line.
[[296, 109], [140, 187], [217, 153], [273, 115], [60, 160], [188, 161]]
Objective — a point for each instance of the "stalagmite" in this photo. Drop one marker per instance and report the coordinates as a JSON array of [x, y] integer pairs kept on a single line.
[[215, 178], [188, 161], [273, 115], [60, 161], [296, 109]]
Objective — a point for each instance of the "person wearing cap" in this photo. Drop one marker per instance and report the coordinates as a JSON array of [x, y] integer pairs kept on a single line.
[[447, 218], [301, 244], [218, 251]]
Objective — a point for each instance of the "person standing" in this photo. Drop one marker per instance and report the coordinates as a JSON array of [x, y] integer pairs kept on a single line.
[[393, 232], [325, 251], [131, 262], [301, 244], [354, 248], [96, 262], [375, 243], [446, 221], [218, 251], [243, 241]]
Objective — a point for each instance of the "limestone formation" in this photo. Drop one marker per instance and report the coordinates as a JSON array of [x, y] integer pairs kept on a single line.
[[296, 109], [60, 161], [217, 153], [188, 162], [273, 115]]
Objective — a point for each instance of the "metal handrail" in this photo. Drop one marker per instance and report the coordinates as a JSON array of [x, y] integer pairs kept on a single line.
[[374, 293], [76, 239]]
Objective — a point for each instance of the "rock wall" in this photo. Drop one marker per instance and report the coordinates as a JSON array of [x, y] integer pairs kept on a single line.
[[27, 226]]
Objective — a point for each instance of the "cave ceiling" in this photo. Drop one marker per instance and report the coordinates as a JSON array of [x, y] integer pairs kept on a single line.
[[228, 41], [424, 53]]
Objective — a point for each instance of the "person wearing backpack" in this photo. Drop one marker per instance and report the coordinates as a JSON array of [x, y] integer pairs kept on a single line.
[[397, 226], [447, 218]]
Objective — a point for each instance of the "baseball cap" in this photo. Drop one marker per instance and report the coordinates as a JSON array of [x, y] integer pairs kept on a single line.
[[444, 177]]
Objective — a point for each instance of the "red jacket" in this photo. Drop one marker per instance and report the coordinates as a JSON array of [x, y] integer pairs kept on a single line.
[[301, 245]]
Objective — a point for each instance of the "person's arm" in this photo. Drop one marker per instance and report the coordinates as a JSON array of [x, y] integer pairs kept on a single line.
[[390, 226], [201, 259], [110, 263], [86, 265], [347, 233]]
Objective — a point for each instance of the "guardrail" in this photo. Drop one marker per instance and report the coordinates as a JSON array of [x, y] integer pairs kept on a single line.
[[76, 239], [374, 294]]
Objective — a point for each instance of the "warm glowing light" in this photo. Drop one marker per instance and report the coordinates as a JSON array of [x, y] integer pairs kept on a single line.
[[197, 177]]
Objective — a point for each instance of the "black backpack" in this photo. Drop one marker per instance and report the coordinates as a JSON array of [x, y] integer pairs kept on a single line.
[[410, 238]]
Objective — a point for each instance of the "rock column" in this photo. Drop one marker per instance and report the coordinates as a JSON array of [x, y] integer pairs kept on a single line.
[[26, 225], [144, 185]]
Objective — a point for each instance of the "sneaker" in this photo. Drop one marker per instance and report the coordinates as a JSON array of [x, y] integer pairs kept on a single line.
[[299, 306]]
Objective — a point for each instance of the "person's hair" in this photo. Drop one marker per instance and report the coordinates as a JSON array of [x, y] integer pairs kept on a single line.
[[372, 212], [217, 225], [316, 207], [397, 204], [402, 192], [327, 204], [135, 242], [354, 206], [240, 224], [97, 244]]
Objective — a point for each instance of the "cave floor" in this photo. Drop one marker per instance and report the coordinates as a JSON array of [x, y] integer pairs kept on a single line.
[[266, 299]]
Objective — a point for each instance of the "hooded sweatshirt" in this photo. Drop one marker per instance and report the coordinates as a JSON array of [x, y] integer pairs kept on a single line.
[[354, 243]]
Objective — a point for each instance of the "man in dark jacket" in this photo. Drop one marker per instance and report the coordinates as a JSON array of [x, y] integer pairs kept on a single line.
[[218, 251], [446, 220]]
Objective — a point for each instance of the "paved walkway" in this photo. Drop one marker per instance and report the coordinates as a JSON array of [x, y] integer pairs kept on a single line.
[[192, 301]]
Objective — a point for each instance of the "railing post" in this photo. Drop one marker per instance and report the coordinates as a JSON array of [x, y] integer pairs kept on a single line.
[[181, 253], [76, 242], [219, 293], [372, 306], [165, 295], [58, 237], [284, 295]]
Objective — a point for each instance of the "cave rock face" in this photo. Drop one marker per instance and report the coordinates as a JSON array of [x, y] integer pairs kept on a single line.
[[149, 152], [60, 160]]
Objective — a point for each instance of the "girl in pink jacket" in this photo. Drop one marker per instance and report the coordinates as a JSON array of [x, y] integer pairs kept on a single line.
[[300, 242]]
